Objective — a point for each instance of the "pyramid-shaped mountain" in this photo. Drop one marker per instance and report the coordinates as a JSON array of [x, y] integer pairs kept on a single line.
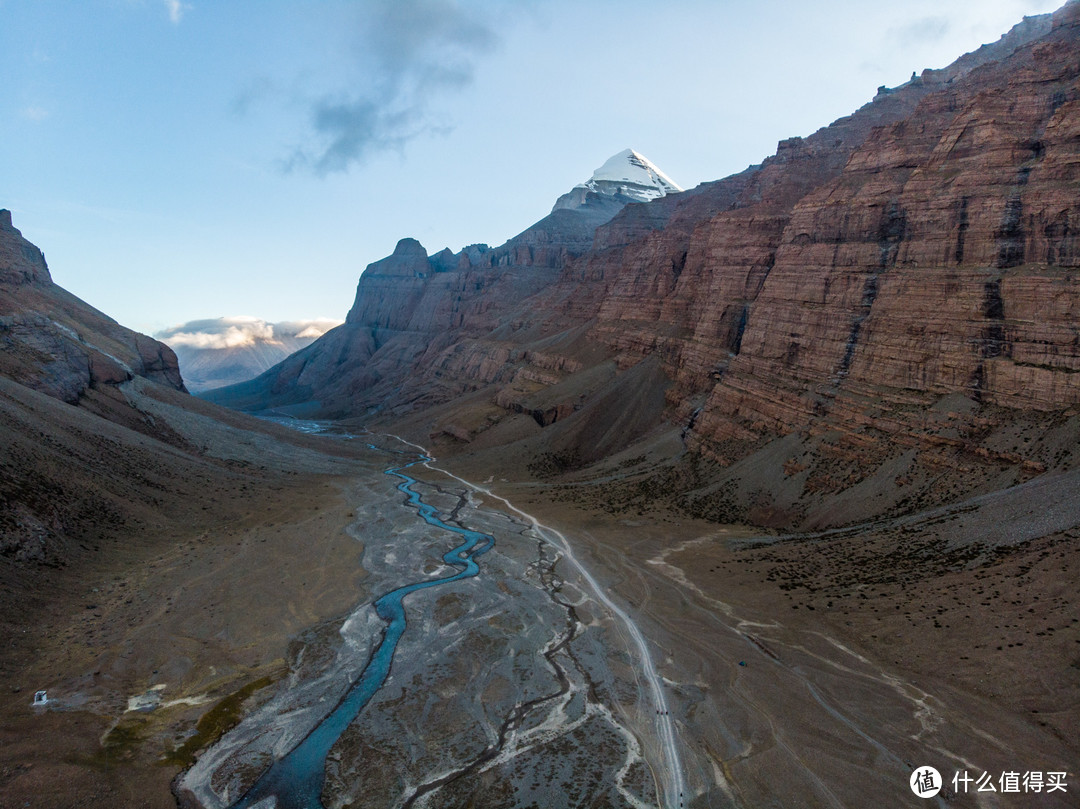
[[629, 176]]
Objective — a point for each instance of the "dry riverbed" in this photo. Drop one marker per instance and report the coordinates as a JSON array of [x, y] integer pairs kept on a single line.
[[823, 671], [512, 688]]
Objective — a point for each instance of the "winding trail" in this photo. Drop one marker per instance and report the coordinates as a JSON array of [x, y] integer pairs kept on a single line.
[[672, 776]]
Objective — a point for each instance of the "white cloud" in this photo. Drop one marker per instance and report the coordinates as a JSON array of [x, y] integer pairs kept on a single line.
[[35, 113], [176, 10], [302, 329], [232, 337], [235, 332]]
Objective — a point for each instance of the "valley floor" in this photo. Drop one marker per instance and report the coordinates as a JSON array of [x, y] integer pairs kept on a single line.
[[798, 671], [823, 671]]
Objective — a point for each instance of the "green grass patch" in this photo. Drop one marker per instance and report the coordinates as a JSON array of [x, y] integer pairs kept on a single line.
[[215, 723]]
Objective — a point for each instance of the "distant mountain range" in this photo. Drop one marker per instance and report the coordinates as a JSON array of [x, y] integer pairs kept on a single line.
[[226, 350]]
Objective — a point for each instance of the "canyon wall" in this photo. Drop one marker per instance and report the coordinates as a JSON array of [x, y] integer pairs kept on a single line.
[[903, 278]]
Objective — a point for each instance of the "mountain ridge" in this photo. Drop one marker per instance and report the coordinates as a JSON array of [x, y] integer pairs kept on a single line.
[[770, 303], [57, 343]]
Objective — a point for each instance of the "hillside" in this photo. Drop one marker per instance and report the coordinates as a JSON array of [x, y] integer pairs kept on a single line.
[[125, 505]]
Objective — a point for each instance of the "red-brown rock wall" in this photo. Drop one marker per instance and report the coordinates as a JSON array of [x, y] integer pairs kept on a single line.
[[938, 262]]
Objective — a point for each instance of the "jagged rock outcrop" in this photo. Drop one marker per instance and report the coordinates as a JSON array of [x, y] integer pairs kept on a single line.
[[921, 249], [20, 261], [57, 344]]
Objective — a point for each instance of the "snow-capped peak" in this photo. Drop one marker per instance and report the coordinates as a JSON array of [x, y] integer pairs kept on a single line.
[[627, 176], [632, 175]]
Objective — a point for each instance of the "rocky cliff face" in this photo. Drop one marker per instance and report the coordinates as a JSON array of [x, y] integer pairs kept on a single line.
[[939, 260], [20, 261], [901, 282], [57, 344]]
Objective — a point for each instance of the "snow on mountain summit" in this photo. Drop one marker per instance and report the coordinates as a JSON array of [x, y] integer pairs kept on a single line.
[[634, 174], [628, 175]]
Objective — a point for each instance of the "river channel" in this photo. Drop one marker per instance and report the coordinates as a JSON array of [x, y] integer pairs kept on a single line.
[[296, 780], [518, 683]]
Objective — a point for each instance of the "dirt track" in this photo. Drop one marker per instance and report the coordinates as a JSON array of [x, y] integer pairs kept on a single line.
[[801, 676]]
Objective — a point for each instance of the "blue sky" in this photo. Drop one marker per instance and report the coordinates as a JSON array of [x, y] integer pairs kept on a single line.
[[178, 159]]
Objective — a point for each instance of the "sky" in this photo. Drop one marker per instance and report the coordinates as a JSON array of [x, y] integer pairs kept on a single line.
[[187, 159]]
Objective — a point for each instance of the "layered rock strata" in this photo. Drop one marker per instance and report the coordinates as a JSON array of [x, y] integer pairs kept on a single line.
[[941, 260]]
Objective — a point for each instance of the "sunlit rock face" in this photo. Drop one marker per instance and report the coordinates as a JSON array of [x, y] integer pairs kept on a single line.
[[939, 260]]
